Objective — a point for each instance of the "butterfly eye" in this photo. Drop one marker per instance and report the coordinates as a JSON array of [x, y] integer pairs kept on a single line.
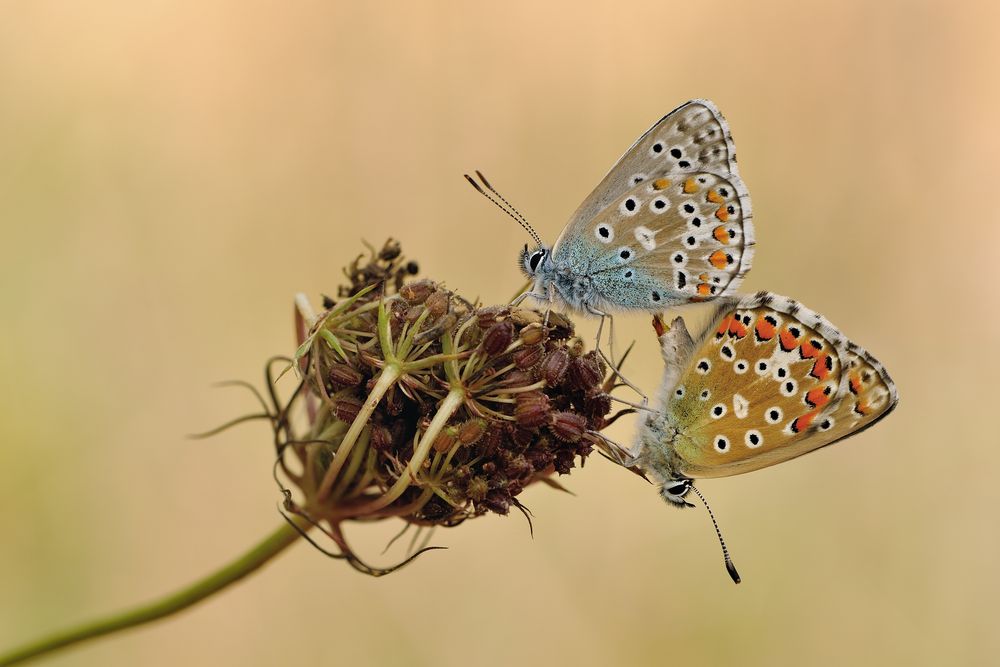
[[704, 366], [762, 367], [705, 393], [721, 443], [605, 234], [753, 439], [656, 148], [826, 424], [726, 351], [718, 410], [773, 415], [741, 366], [536, 259], [788, 388], [679, 393], [677, 488], [659, 205]]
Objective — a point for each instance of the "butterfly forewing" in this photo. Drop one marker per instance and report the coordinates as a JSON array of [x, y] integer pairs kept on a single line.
[[670, 239], [692, 137], [769, 381]]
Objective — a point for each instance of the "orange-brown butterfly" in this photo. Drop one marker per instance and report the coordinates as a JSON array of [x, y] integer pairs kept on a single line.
[[768, 380]]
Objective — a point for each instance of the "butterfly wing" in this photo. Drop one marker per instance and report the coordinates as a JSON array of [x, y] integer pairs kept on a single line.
[[672, 239], [769, 381], [692, 137], [671, 202]]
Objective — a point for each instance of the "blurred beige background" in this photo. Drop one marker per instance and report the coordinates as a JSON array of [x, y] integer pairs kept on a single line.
[[172, 172]]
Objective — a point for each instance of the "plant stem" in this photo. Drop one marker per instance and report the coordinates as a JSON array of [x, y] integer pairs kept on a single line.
[[249, 562]]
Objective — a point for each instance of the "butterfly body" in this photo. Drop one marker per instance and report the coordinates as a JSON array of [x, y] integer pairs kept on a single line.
[[768, 381], [670, 224]]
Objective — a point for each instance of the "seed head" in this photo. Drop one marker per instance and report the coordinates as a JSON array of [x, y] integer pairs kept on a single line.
[[416, 404]]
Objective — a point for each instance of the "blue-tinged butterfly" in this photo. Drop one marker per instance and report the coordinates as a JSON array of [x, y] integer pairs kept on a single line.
[[670, 224], [768, 380]]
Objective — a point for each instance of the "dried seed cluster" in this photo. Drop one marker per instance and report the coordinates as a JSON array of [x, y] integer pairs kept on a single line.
[[424, 406]]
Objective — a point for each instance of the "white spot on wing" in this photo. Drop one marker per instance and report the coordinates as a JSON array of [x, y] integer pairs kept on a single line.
[[645, 236], [741, 406]]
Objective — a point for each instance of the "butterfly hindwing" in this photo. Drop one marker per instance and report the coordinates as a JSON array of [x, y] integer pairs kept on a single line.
[[671, 239], [769, 381]]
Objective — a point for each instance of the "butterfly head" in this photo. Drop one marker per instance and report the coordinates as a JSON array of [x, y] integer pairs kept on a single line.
[[674, 490], [534, 262]]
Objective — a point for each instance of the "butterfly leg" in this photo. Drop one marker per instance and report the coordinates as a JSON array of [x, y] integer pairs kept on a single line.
[[611, 364], [524, 295], [614, 451]]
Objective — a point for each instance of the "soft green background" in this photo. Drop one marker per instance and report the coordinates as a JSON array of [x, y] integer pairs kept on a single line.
[[172, 172]]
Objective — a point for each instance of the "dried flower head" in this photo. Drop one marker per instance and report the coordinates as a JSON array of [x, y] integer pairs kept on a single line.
[[415, 403]]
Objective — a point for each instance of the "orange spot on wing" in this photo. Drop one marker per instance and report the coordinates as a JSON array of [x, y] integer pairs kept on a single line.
[[718, 259], [855, 384], [690, 186], [862, 408], [817, 397], [807, 351], [661, 183], [737, 329], [821, 368], [787, 340], [802, 423], [723, 326], [721, 235], [722, 214], [764, 329], [715, 197], [704, 289]]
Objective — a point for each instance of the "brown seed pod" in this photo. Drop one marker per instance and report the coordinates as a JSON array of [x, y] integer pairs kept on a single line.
[[413, 313], [523, 317], [477, 489], [532, 409], [527, 357], [554, 367], [487, 317], [533, 334], [498, 337], [445, 439], [471, 431], [568, 426], [560, 326], [585, 372], [343, 376], [381, 439], [516, 379], [518, 468], [417, 291], [437, 304], [346, 409]]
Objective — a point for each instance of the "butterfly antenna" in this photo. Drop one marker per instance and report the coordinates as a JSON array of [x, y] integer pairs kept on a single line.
[[508, 209], [725, 552], [500, 196]]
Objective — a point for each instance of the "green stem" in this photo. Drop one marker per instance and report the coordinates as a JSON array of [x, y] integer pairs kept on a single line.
[[249, 562], [451, 403]]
